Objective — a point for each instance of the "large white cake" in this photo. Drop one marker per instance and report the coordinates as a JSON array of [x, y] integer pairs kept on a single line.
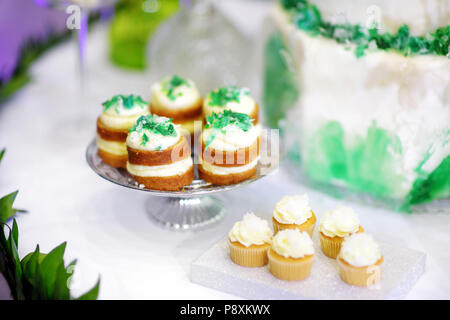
[[370, 119]]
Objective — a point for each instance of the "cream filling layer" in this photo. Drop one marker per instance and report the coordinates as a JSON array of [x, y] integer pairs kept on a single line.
[[165, 170], [117, 148], [233, 139], [218, 170], [120, 122]]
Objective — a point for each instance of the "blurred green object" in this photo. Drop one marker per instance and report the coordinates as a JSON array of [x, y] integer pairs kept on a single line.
[[134, 23]]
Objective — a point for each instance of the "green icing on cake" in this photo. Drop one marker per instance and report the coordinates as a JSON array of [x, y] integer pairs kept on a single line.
[[169, 86], [217, 122], [280, 87], [222, 96], [154, 124], [307, 17], [128, 102], [366, 165]]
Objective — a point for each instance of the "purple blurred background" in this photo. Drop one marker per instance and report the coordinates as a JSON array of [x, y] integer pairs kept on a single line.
[[22, 21]]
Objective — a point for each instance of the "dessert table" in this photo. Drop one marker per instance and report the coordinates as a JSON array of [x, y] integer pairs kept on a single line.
[[46, 128]]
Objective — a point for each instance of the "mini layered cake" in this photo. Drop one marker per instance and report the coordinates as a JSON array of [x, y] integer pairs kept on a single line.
[[360, 260], [118, 116], [335, 225], [159, 157], [294, 212], [230, 98], [179, 99], [230, 148]]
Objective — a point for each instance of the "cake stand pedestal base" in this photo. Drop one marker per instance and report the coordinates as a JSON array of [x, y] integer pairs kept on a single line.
[[182, 213]]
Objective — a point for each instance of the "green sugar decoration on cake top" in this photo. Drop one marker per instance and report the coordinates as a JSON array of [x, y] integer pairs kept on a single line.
[[217, 122], [222, 96], [127, 102], [157, 125], [307, 17], [169, 85]]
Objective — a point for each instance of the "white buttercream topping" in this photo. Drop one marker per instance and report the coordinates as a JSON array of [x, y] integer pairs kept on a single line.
[[154, 140], [166, 170], [339, 222], [360, 249], [293, 210], [251, 230], [292, 243], [234, 138], [183, 96]]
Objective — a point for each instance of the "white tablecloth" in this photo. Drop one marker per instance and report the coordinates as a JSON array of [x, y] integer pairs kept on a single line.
[[46, 128]]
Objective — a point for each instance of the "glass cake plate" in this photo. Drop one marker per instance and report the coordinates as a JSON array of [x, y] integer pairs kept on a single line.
[[193, 207]]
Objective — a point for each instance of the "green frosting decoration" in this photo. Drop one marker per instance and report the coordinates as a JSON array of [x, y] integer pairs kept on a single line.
[[280, 85], [156, 125], [170, 84], [222, 96], [128, 102], [307, 17], [218, 121]]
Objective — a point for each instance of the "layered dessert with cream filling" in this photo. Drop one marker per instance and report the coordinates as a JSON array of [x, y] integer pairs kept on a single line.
[[159, 156], [118, 116], [291, 255], [363, 90], [360, 260], [294, 212], [177, 98], [229, 148], [230, 98], [335, 225], [249, 240]]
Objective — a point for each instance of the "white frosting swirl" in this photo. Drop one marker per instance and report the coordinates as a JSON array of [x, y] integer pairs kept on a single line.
[[251, 231], [187, 95], [293, 210], [359, 250], [291, 243], [165, 170], [234, 138], [339, 222]]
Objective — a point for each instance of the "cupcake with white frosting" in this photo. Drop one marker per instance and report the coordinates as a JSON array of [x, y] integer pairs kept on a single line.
[[291, 255], [159, 157], [360, 260], [118, 116], [294, 212], [230, 98], [249, 240], [335, 225], [230, 148], [177, 98]]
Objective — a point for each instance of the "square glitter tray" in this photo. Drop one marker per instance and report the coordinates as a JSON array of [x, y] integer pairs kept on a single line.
[[401, 269]]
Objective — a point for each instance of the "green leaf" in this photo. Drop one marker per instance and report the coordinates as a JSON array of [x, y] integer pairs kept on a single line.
[[48, 270], [2, 153], [6, 209], [30, 265], [91, 294], [62, 282]]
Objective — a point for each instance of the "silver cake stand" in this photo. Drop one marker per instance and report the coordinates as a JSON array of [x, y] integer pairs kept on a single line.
[[191, 208]]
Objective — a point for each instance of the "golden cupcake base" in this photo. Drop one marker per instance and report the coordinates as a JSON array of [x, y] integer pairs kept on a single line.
[[332, 246], [252, 256], [360, 276], [289, 269]]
